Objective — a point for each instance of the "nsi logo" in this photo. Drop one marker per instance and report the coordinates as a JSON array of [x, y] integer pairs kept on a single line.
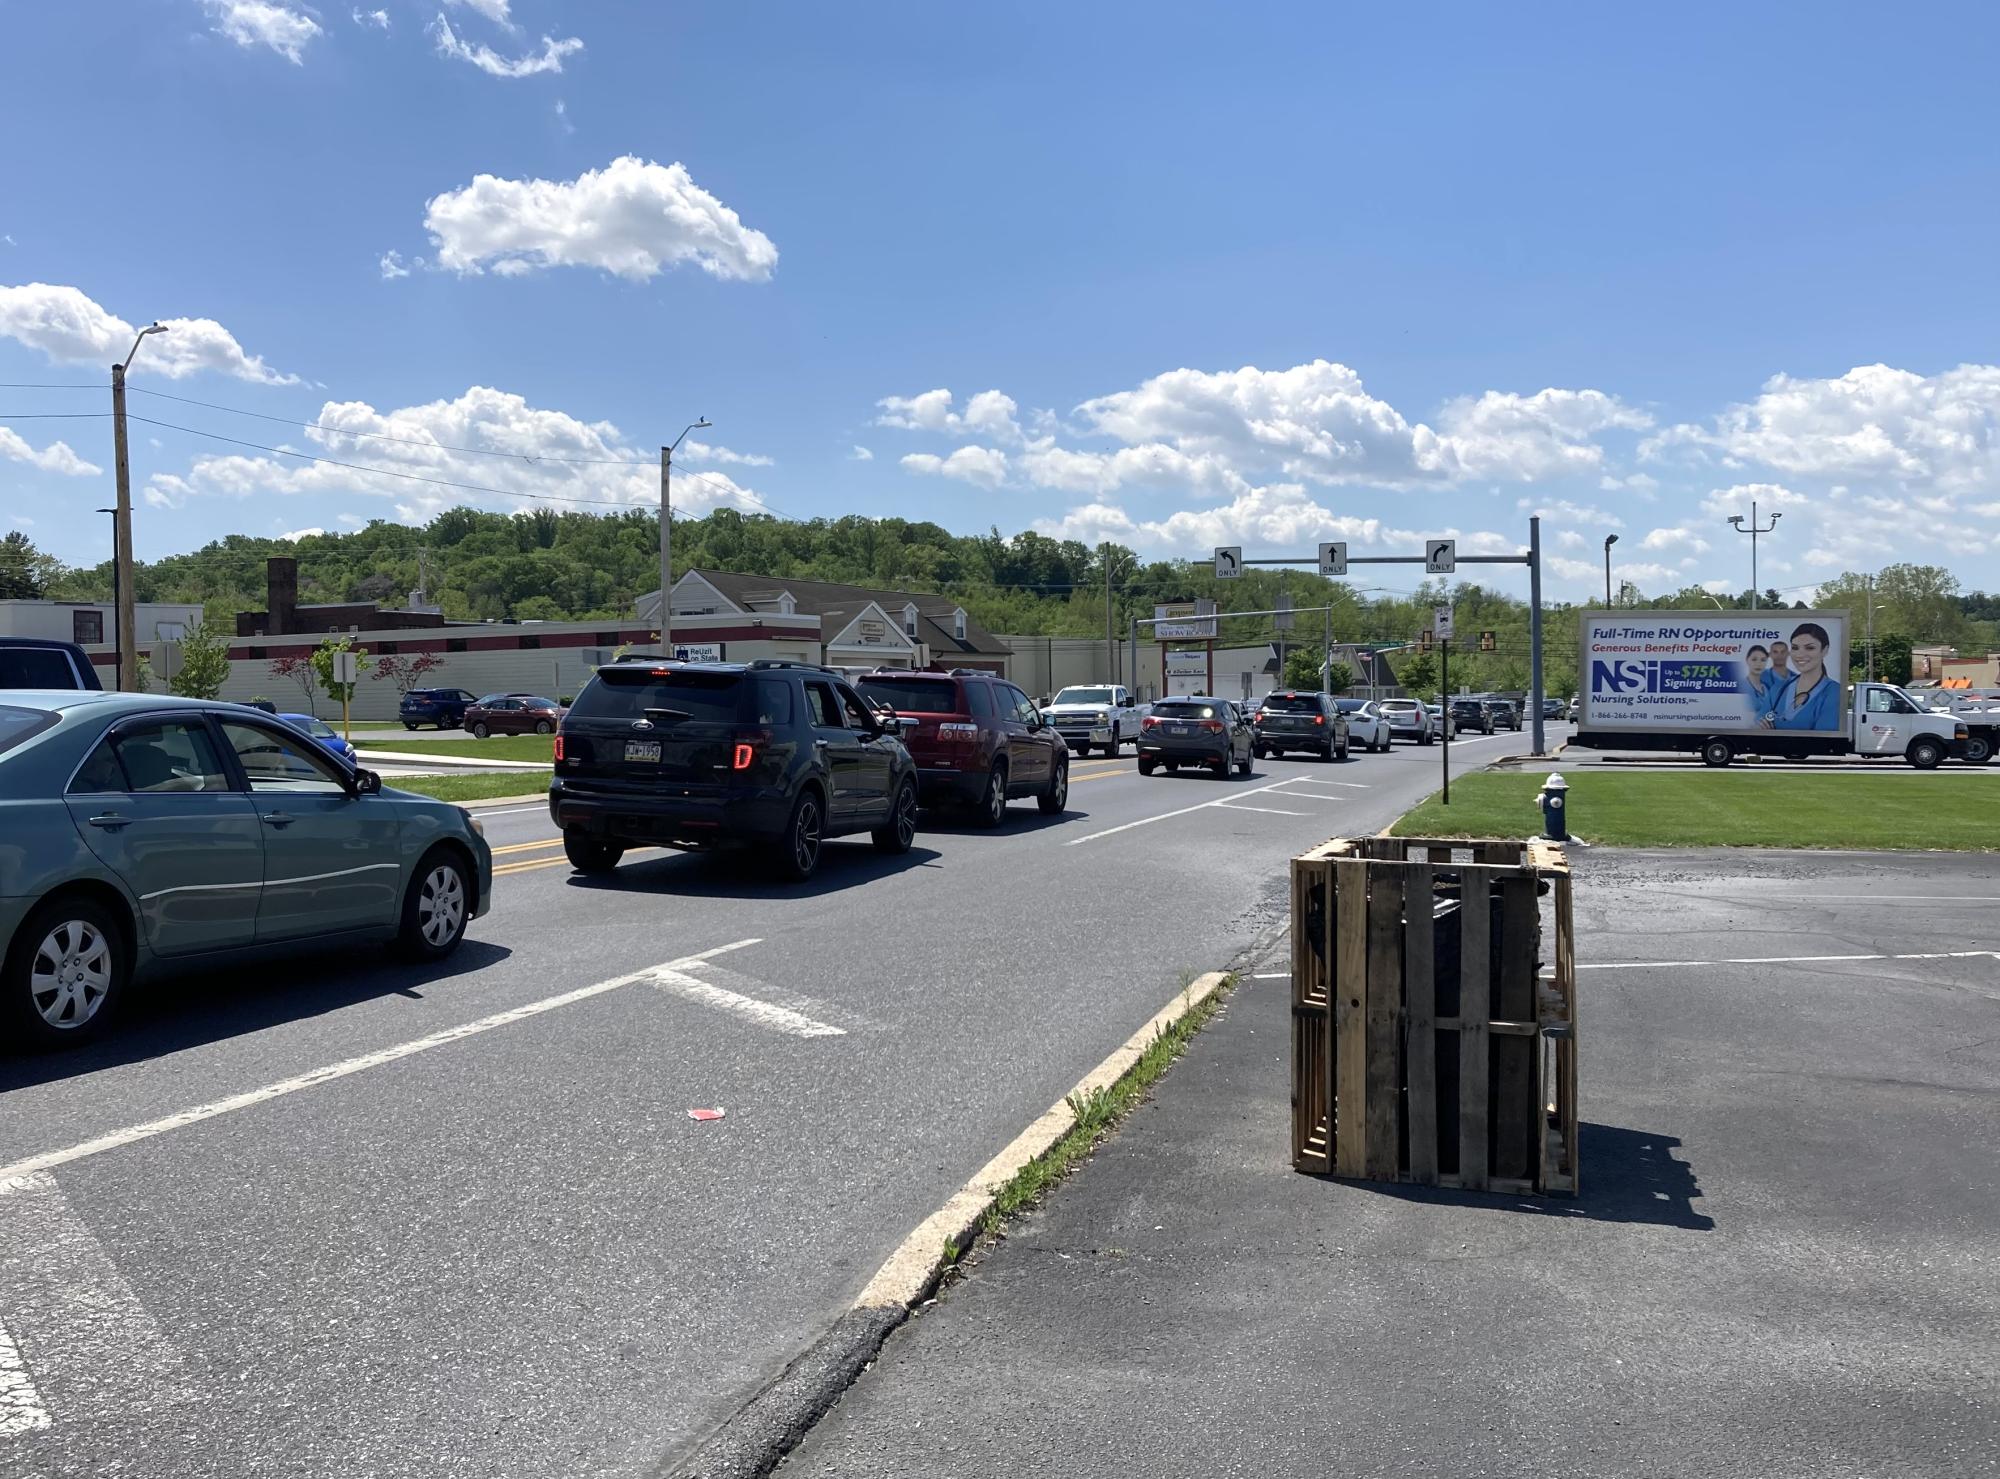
[[1617, 676]]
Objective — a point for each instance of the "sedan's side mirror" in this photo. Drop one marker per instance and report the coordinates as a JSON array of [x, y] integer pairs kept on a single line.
[[367, 783]]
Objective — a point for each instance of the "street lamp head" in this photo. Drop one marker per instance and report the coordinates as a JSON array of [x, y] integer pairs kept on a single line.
[[1737, 520], [704, 422], [155, 327], [1609, 540], [1776, 517]]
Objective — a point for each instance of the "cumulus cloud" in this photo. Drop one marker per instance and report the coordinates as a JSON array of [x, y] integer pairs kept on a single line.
[[1677, 538], [375, 19], [252, 23], [989, 413], [66, 325], [491, 62], [1561, 510], [56, 457], [292, 535], [393, 265], [862, 454], [495, 11], [1872, 422], [633, 218], [983, 466], [508, 445], [707, 452], [1570, 539], [1724, 502]]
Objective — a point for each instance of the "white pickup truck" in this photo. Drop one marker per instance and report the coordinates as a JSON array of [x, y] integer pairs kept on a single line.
[[1100, 714]]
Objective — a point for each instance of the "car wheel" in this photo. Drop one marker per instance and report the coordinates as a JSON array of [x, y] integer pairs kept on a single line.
[[1243, 767], [1055, 800], [1340, 753], [798, 850], [437, 906], [1220, 767], [900, 831], [1978, 750], [1716, 752], [1145, 766], [993, 800], [544, 727], [65, 973], [1424, 738], [589, 854], [413, 728], [480, 731], [1926, 753], [1262, 752]]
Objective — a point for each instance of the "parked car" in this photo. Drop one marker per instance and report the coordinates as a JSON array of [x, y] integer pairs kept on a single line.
[[978, 741], [1104, 715], [444, 707], [1209, 732], [1302, 720], [328, 737], [776, 757], [31, 662], [1366, 725], [1471, 713], [146, 832], [1408, 719], [513, 713]]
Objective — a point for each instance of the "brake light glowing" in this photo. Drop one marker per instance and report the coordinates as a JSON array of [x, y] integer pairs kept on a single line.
[[1262, 715], [1319, 718], [559, 747], [746, 755]]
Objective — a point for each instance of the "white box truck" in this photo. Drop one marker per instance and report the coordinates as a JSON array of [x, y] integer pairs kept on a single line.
[[1720, 684]]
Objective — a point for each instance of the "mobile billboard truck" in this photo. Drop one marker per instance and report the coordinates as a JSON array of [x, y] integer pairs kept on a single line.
[[1727, 683]]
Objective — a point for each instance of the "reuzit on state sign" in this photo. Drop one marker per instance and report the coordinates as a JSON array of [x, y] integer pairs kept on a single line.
[[1719, 672]]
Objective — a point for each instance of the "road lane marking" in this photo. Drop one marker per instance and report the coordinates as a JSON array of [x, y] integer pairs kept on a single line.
[[83, 1344], [749, 1008], [131, 1134], [512, 811], [1269, 811], [1313, 780], [21, 1408], [1310, 796], [1167, 815], [1651, 965], [527, 846]]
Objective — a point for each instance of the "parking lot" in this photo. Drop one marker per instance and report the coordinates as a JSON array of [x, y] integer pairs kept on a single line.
[[344, 1215]]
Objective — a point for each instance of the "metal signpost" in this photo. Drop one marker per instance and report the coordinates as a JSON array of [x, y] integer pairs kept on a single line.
[[1441, 627], [346, 672]]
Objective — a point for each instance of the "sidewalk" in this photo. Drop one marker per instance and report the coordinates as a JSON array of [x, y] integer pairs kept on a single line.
[[1786, 1260]]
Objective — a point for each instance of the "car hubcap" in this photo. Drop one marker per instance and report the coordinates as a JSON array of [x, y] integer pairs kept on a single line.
[[441, 906], [805, 837], [1062, 786], [996, 795], [906, 817], [70, 974]]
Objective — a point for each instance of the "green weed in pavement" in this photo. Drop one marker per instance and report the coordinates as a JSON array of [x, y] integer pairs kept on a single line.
[[1949, 809]]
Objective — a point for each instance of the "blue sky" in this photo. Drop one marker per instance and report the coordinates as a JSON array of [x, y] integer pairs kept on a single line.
[[1173, 274]]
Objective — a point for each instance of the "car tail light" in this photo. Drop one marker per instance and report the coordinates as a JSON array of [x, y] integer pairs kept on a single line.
[[955, 731], [749, 745], [1319, 718], [1211, 726], [1262, 715], [559, 749], [1149, 722]]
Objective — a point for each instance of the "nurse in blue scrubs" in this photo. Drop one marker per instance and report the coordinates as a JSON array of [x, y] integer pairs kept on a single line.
[[1760, 682], [1812, 699]]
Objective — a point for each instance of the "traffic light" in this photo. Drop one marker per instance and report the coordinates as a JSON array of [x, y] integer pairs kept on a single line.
[[1424, 640], [1488, 642]]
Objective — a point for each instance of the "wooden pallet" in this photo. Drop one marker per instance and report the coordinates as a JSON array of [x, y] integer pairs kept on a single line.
[[1428, 1044]]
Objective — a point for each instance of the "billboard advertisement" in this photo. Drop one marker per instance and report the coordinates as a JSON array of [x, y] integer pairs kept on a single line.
[[1719, 672], [1178, 621]]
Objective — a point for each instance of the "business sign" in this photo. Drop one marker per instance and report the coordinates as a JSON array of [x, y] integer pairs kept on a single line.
[[698, 651], [1187, 664], [1720, 672], [1177, 621]]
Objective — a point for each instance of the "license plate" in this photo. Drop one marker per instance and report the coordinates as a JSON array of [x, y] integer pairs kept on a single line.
[[1180, 729], [642, 752]]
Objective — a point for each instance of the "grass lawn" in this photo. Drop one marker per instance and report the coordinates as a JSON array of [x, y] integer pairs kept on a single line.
[[501, 747], [482, 787], [1944, 810]]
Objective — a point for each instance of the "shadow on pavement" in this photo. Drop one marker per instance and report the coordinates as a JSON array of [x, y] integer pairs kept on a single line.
[[168, 1013], [745, 875], [1021, 817], [1628, 1176]]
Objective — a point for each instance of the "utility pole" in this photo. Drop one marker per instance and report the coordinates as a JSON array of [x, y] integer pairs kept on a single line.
[[1537, 687], [1870, 587], [1110, 629], [667, 540], [1326, 655], [1753, 531], [121, 564]]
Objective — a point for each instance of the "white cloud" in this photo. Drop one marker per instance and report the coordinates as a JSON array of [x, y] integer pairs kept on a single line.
[[55, 457], [984, 466], [562, 117], [706, 452], [1872, 422], [495, 11], [489, 61], [1724, 502], [66, 325], [393, 265], [633, 218], [1675, 538], [378, 19], [989, 413], [1570, 539], [528, 450], [862, 454], [21, 521], [252, 23], [1562, 510], [296, 534]]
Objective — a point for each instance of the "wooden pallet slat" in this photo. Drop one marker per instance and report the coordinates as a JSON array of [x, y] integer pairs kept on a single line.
[[1420, 1019], [1475, 933], [1384, 1026], [1350, 1017]]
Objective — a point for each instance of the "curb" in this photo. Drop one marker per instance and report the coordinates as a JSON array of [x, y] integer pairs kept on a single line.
[[750, 1444], [487, 801], [443, 762]]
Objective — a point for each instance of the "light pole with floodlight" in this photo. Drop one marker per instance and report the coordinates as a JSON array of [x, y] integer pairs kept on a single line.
[[1753, 531]]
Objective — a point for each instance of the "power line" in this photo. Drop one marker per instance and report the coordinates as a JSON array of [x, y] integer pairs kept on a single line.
[[54, 415], [38, 385]]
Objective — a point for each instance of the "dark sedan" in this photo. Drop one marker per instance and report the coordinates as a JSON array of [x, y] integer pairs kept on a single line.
[[513, 713]]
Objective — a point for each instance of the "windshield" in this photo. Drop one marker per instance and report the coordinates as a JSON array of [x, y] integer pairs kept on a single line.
[[912, 695], [1351, 705], [1293, 703], [1084, 696], [663, 695]]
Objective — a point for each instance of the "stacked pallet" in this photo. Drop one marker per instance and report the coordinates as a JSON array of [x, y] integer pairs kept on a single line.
[[1429, 1045]]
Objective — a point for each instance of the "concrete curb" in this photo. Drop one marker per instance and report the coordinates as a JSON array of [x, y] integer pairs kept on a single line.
[[445, 762], [751, 1444], [478, 806]]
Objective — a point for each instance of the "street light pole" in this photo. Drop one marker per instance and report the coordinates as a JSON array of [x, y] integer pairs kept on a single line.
[[667, 539], [1609, 540], [121, 560], [115, 584], [1753, 531]]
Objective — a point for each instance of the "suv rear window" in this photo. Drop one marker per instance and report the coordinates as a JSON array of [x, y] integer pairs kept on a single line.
[[913, 695], [1184, 711], [36, 667], [689, 695], [1293, 703]]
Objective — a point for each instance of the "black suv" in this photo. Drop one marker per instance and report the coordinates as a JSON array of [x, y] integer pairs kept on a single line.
[[978, 740], [1471, 714], [770, 755]]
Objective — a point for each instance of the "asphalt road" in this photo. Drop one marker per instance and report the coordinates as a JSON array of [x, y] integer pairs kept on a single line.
[[512, 1252]]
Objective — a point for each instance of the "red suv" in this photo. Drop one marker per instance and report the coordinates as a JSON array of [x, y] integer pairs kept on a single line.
[[977, 739]]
